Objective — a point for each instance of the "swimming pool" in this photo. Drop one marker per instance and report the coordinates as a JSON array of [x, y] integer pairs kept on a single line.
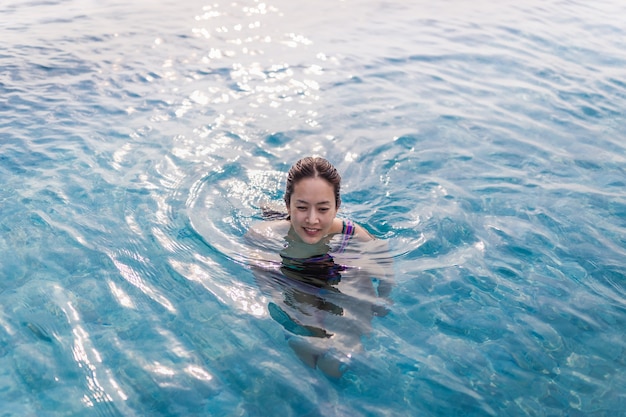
[[483, 142]]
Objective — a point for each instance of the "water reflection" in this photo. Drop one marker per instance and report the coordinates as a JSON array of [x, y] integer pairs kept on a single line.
[[325, 299]]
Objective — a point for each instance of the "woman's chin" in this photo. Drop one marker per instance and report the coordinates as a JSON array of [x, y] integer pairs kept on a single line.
[[310, 238]]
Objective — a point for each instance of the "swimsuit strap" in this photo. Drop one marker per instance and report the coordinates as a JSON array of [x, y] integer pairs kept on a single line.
[[348, 228], [347, 231]]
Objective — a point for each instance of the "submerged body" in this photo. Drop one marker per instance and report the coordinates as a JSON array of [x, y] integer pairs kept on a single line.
[[325, 295], [322, 294]]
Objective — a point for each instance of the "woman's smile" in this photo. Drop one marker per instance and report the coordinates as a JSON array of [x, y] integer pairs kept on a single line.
[[311, 231]]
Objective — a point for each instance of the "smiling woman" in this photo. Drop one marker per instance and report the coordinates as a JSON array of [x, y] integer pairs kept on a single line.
[[312, 199], [323, 319]]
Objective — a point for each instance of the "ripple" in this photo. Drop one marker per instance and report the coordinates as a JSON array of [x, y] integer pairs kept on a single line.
[[481, 142], [222, 204]]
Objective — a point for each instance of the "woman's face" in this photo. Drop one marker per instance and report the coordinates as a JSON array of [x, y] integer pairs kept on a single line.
[[312, 209]]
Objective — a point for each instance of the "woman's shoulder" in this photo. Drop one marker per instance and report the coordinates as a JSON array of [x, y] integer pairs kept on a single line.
[[269, 229]]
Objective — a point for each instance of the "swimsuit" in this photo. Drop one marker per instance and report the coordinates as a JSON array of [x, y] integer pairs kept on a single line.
[[319, 271]]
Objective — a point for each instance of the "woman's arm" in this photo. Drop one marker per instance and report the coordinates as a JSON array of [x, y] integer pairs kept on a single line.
[[361, 234]]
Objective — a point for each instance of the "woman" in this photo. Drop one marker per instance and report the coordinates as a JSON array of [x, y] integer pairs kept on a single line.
[[324, 320], [312, 199]]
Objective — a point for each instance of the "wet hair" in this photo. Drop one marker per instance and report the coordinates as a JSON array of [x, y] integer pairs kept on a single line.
[[312, 167]]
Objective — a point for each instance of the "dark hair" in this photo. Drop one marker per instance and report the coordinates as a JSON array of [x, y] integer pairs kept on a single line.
[[312, 167]]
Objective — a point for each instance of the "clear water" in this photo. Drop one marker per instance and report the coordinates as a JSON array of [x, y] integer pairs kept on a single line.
[[483, 140]]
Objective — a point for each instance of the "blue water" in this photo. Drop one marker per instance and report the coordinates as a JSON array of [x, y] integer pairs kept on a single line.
[[483, 140]]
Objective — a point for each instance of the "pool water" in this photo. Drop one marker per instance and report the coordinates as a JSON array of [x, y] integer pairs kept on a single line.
[[483, 142]]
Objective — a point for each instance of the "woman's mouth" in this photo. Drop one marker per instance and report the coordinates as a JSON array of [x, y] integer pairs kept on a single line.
[[310, 231]]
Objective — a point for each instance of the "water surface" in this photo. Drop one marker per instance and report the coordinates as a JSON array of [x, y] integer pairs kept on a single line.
[[484, 142]]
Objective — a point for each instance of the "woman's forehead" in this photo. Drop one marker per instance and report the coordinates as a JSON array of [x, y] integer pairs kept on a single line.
[[316, 189]]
